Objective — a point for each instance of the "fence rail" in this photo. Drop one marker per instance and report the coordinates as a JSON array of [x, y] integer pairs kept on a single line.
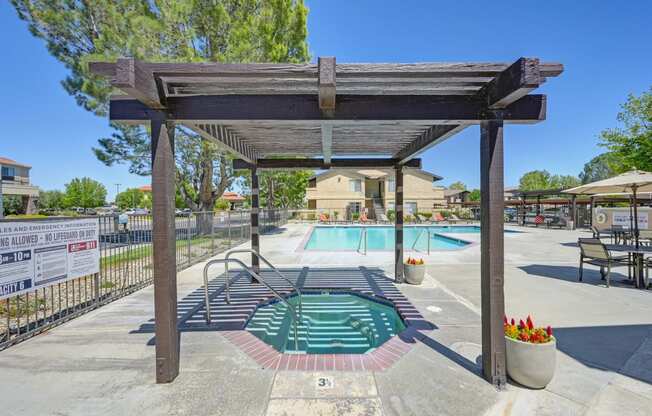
[[126, 266]]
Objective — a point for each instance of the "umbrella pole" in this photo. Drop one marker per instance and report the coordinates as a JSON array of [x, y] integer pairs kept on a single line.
[[635, 215]]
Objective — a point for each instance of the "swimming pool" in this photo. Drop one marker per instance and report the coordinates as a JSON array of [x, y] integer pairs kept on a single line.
[[333, 322], [347, 238]]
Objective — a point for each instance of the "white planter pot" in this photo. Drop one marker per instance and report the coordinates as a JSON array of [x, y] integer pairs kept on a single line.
[[414, 273], [531, 365]]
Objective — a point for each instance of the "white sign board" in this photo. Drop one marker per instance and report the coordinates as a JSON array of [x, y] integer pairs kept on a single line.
[[36, 254], [621, 218]]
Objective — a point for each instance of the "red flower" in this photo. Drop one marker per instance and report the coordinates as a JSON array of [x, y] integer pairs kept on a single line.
[[513, 322], [521, 324], [505, 319], [549, 331], [530, 324]]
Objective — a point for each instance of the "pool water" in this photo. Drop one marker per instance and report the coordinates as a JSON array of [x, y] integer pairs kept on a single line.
[[331, 323], [382, 238]]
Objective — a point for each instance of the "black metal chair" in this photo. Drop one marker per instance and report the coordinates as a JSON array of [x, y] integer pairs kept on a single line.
[[593, 252]]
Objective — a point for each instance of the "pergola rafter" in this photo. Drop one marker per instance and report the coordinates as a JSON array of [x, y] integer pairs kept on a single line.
[[324, 115]]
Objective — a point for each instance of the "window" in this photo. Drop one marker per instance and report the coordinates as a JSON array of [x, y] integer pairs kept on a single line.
[[8, 172], [312, 204], [355, 185], [391, 185], [411, 208]]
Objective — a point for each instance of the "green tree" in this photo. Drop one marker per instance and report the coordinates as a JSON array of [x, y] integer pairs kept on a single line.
[[77, 32], [222, 205], [534, 180], [52, 200], [474, 195], [598, 168], [460, 186], [563, 182], [288, 188], [84, 193], [12, 204], [133, 198], [631, 144]]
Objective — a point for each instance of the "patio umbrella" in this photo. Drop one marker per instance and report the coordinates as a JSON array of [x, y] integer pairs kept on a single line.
[[629, 182]]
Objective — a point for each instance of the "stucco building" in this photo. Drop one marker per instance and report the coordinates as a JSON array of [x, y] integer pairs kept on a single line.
[[15, 181], [372, 191]]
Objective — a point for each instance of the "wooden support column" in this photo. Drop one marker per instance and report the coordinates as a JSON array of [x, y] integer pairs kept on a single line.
[[398, 226], [163, 239], [573, 208], [591, 211], [492, 251], [255, 208]]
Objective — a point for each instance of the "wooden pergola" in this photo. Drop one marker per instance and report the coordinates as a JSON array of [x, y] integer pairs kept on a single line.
[[327, 115]]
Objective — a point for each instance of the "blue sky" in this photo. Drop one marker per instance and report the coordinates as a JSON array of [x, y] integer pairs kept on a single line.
[[606, 48]]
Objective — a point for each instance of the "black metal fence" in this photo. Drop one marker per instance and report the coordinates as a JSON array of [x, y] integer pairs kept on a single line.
[[126, 266]]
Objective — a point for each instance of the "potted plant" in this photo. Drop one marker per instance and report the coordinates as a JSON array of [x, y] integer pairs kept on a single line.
[[530, 353], [415, 270]]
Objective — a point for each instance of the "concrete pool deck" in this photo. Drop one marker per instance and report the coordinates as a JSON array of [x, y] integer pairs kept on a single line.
[[103, 362]]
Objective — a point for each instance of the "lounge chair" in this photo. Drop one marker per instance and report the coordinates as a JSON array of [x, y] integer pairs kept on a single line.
[[323, 218], [454, 219], [383, 218], [592, 251], [363, 218], [437, 217]]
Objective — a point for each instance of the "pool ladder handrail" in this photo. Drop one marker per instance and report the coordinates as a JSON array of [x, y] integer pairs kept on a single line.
[[295, 317], [363, 238], [419, 236], [271, 266]]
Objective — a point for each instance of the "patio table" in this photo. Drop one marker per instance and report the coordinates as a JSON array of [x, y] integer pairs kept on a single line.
[[638, 255]]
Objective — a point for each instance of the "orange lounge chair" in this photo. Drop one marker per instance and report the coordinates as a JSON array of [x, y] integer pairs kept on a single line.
[[438, 217], [363, 217], [323, 218]]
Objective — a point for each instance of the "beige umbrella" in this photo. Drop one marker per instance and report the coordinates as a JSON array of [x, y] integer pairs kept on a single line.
[[633, 181]]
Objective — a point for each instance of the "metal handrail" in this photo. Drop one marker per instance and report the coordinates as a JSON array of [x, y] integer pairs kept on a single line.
[[416, 240], [271, 266], [363, 237], [260, 279]]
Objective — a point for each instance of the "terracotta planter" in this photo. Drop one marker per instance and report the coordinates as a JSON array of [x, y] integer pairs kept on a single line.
[[414, 273], [531, 365]]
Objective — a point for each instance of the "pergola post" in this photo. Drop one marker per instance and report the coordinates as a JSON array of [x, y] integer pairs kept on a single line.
[[492, 251], [163, 240], [591, 211], [398, 226], [574, 210], [255, 208]]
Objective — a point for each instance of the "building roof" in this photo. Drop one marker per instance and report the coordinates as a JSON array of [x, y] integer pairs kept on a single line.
[[233, 197], [376, 174], [7, 161], [453, 192], [145, 188]]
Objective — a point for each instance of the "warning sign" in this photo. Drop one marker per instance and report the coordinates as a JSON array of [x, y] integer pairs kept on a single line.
[[40, 253]]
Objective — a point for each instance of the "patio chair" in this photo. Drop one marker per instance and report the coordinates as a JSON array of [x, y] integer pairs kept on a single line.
[[383, 218], [592, 251]]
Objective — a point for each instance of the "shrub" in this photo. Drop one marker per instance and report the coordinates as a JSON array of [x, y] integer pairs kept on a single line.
[[408, 218], [526, 332], [391, 214], [426, 215], [355, 216]]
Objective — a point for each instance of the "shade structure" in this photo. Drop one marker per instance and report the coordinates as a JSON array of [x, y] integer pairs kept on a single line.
[[623, 183], [629, 182], [329, 115]]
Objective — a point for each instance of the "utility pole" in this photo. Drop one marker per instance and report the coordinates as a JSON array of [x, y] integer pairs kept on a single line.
[[117, 191]]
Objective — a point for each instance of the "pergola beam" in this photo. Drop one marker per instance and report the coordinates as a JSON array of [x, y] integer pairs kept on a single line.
[[228, 139], [327, 142], [433, 109], [327, 84], [431, 137], [515, 82], [362, 163], [133, 78]]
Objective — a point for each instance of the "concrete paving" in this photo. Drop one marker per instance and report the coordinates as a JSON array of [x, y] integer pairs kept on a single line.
[[103, 362]]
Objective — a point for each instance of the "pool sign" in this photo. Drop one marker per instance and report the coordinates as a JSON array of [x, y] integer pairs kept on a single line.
[[36, 254], [622, 219]]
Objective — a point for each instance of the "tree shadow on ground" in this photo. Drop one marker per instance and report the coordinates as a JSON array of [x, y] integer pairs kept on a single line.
[[610, 348], [571, 274]]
